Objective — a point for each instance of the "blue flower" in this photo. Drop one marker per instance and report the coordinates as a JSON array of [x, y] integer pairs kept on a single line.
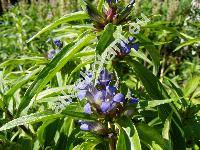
[[85, 127], [125, 48], [104, 100], [134, 101], [87, 109], [118, 98], [105, 106], [58, 43], [104, 78], [51, 54]]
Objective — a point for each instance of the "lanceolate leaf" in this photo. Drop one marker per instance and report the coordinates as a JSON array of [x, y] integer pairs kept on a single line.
[[150, 82], [21, 82], [165, 132], [100, 5], [89, 145], [79, 115], [153, 51], [105, 39], [157, 91], [23, 61], [189, 42], [32, 118], [67, 18], [191, 86], [149, 135], [154, 103], [52, 68], [128, 137]]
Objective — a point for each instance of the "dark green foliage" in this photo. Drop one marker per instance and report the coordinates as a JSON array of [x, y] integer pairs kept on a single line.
[[39, 107]]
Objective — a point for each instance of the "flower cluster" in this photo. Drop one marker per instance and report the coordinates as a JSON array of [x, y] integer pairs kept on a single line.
[[51, 53], [102, 99]]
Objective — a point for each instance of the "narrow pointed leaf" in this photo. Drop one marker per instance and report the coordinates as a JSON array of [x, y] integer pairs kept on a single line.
[[52, 68], [128, 137], [32, 118], [67, 18]]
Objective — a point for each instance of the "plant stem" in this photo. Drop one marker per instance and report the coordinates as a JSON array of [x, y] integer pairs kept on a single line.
[[111, 144]]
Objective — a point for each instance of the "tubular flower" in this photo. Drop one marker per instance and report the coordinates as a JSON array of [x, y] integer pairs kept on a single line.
[[134, 101], [104, 78], [58, 43], [104, 100], [107, 101], [125, 48], [51, 54]]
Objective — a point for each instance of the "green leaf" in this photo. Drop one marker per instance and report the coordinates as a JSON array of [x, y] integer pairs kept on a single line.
[[128, 136], [50, 91], [153, 51], [149, 136], [165, 131], [105, 39], [89, 145], [41, 131], [191, 86], [78, 67], [32, 118], [66, 18], [150, 81], [141, 55], [79, 115], [156, 90], [21, 82], [23, 61], [154, 103], [100, 5], [189, 42], [52, 68], [68, 126]]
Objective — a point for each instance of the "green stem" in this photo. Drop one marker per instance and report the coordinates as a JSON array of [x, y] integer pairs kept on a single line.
[[111, 144]]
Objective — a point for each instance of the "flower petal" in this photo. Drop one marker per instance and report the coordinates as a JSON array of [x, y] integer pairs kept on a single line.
[[105, 77], [110, 92], [134, 101], [135, 46], [87, 109], [58, 43], [118, 97], [131, 39], [105, 106], [85, 127], [82, 94]]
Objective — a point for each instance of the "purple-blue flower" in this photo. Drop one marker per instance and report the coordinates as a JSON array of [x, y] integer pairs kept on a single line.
[[118, 98], [104, 77], [51, 54], [58, 43], [105, 106], [87, 109], [125, 48], [104, 100], [134, 101], [85, 127]]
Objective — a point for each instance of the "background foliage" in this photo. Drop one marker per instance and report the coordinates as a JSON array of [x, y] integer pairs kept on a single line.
[[163, 75]]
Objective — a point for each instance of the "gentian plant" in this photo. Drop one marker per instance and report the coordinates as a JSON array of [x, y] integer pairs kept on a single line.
[[131, 106], [105, 101]]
